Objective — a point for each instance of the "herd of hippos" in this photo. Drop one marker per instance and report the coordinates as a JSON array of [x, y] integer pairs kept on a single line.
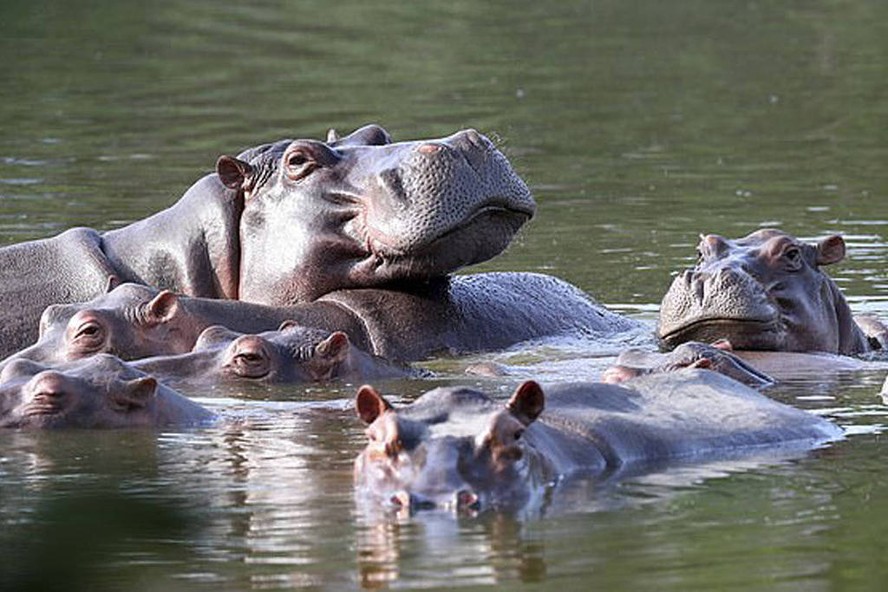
[[311, 261]]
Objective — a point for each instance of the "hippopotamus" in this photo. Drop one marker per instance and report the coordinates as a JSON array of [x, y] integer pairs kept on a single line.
[[457, 314], [98, 392], [457, 448], [292, 354], [717, 357], [287, 222], [765, 291]]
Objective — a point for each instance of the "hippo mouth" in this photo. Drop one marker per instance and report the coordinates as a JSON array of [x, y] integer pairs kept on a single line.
[[482, 235], [744, 334]]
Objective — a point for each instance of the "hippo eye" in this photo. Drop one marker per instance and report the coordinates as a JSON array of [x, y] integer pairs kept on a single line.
[[300, 163], [88, 334], [518, 434]]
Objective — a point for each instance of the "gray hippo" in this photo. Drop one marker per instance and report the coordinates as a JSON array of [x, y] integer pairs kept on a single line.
[[98, 392], [717, 357], [457, 448], [292, 354], [765, 291], [457, 314], [288, 222]]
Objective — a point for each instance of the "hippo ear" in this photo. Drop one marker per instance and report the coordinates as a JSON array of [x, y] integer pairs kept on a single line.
[[136, 393], [335, 347], [113, 282], [235, 173], [370, 404], [830, 250], [332, 136], [527, 402], [162, 307], [288, 324]]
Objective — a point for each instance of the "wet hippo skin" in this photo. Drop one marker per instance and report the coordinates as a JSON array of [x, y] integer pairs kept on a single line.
[[98, 392], [456, 448], [288, 222]]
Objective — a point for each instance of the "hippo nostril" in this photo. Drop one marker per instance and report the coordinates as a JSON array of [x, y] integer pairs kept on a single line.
[[430, 148], [466, 500], [400, 499], [48, 386]]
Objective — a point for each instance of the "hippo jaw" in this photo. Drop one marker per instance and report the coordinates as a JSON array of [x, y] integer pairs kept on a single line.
[[363, 212], [464, 462]]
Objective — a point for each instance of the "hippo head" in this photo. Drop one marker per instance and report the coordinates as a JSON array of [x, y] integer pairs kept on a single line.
[[453, 448], [362, 211], [293, 353], [131, 321], [100, 392], [762, 292], [716, 357]]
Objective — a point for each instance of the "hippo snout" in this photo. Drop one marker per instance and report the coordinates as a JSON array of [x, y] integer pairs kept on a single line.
[[463, 499], [47, 391]]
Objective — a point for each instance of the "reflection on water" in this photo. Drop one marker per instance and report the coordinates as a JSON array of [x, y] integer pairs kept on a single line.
[[638, 126]]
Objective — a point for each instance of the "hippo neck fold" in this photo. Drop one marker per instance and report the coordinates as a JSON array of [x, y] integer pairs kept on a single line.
[[192, 247]]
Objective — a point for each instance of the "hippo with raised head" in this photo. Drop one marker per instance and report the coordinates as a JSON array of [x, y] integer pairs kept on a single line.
[[457, 314], [292, 354], [765, 291], [285, 223], [457, 448], [99, 392]]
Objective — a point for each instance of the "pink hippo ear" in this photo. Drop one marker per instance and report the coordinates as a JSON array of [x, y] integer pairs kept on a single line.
[[370, 404], [334, 348], [235, 173], [527, 402], [830, 250], [135, 394], [162, 308]]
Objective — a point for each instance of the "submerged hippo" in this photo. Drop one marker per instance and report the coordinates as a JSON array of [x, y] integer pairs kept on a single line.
[[458, 314], [457, 448], [717, 357], [292, 354], [765, 291], [285, 223], [99, 392]]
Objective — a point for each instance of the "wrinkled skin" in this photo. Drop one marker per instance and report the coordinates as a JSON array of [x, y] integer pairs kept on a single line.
[[362, 211], [286, 223], [456, 448], [460, 314], [292, 354], [717, 357], [99, 392], [765, 291]]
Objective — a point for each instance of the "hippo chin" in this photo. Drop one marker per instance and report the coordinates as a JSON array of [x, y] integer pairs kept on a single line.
[[292, 354], [765, 291], [285, 223], [456, 448], [99, 392]]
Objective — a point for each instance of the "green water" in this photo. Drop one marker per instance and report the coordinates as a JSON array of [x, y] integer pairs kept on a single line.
[[638, 125]]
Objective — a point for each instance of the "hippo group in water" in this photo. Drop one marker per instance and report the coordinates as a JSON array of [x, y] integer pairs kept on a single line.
[[351, 243], [288, 222]]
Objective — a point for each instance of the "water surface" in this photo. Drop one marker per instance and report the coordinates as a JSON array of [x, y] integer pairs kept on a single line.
[[638, 125]]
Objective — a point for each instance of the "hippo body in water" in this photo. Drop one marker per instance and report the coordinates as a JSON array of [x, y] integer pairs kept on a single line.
[[285, 223], [458, 314], [99, 392], [292, 354], [456, 448], [765, 291]]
